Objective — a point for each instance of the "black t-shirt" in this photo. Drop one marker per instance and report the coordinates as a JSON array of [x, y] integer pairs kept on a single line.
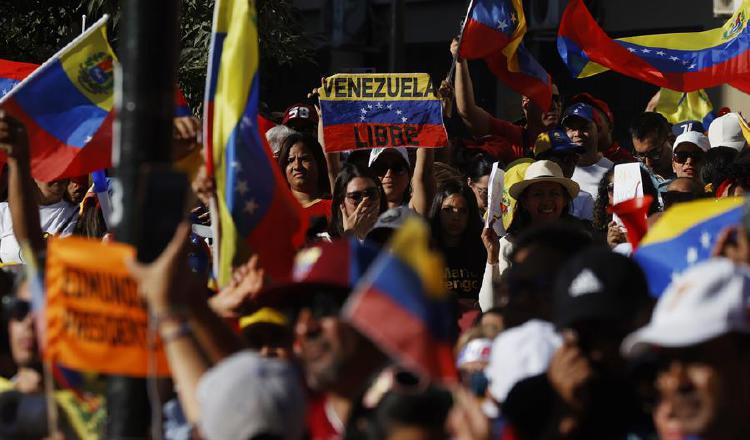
[[464, 268]]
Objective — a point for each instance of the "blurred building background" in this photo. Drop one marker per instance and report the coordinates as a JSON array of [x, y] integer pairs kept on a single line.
[[414, 36]]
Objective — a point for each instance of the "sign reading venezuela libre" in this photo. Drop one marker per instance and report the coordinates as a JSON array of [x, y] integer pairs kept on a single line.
[[362, 111]]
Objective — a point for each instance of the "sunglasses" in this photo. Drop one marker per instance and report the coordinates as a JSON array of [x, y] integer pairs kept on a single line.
[[358, 196], [682, 156], [653, 154], [16, 309], [381, 169]]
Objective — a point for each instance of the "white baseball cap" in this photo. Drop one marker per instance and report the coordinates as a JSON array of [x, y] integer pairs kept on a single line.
[[725, 131], [709, 300], [519, 353], [693, 137], [376, 152], [246, 395]]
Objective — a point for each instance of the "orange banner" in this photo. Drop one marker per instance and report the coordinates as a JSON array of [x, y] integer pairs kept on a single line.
[[96, 320]]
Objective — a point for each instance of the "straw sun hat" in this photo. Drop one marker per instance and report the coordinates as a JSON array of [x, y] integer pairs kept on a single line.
[[543, 171]]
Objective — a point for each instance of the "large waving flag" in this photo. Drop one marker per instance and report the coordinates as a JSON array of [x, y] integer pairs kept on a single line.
[[493, 31], [362, 111], [684, 235], [256, 210], [680, 61], [685, 106], [402, 306], [66, 106], [12, 73]]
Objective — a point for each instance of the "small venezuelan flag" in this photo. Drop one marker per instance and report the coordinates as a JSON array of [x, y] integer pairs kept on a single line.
[[494, 31], [257, 211], [66, 106], [681, 61], [402, 306], [363, 111], [684, 235]]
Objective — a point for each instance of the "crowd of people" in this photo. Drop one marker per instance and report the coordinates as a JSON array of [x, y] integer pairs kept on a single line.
[[557, 332]]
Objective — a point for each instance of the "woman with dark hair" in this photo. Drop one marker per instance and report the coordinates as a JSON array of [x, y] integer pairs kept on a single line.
[[403, 184], [603, 225], [456, 231], [357, 202], [302, 161], [477, 173]]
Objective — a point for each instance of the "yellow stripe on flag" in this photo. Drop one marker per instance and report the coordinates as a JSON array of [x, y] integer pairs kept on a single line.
[[85, 63], [410, 244], [684, 216]]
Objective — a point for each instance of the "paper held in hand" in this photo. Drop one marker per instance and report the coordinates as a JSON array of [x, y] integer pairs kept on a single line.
[[495, 206]]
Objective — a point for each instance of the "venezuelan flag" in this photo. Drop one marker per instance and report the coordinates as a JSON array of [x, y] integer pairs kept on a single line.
[[494, 31], [66, 106], [363, 111], [12, 73], [683, 236], [685, 106], [402, 306], [679, 61], [256, 210]]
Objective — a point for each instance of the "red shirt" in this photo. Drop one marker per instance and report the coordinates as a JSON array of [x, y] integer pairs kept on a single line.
[[318, 425], [319, 208], [619, 155], [509, 141]]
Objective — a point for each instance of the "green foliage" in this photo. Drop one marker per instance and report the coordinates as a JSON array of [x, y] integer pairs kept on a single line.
[[33, 30]]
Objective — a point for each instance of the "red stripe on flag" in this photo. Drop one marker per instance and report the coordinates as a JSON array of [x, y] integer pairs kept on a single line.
[[52, 159], [479, 41], [409, 341], [345, 137]]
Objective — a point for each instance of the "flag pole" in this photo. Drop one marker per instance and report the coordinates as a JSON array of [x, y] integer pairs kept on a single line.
[[53, 425], [94, 27], [208, 142], [452, 70], [83, 23]]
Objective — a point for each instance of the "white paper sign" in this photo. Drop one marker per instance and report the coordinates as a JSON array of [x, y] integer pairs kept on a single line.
[[628, 185], [495, 200]]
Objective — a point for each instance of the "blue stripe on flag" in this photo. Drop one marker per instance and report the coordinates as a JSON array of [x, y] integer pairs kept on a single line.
[[381, 112], [68, 114]]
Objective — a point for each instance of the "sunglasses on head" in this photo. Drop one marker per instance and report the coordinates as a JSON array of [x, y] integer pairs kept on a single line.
[[15, 308], [358, 196], [381, 169], [682, 156]]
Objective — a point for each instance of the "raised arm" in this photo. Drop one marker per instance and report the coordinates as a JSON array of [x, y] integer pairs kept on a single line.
[[476, 119], [22, 191], [423, 181]]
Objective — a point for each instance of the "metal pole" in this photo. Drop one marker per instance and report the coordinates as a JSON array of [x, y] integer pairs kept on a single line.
[[396, 58], [142, 136]]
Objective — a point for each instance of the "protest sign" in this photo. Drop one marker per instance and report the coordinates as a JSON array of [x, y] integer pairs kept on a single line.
[[627, 185], [363, 111], [96, 320], [495, 205]]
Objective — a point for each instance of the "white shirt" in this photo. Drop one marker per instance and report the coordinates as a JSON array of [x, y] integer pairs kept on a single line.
[[59, 219], [583, 206], [588, 178]]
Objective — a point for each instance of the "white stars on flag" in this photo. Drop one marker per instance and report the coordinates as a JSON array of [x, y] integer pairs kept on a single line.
[[705, 240], [364, 110], [88, 139], [369, 106], [692, 66], [674, 59], [661, 53], [404, 119], [632, 49], [398, 112], [646, 50], [502, 25], [692, 255], [379, 105], [389, 106], [241, 187], [250, 206], [237, 166]]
